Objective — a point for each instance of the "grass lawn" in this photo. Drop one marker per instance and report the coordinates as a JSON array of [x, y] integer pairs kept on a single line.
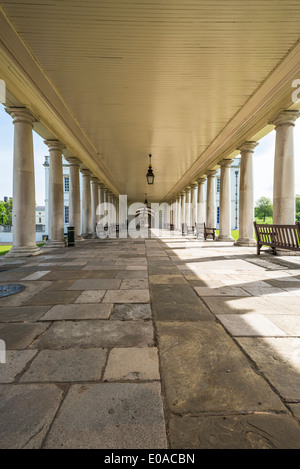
[[5, 249], [234, 234]]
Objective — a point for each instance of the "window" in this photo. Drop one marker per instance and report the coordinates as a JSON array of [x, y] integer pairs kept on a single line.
[[40, 220], [218, 184], [67, 215], [218, 214], [66, 184]]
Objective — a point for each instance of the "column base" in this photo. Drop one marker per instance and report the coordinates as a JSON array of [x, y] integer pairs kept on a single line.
[[87, 235], [53, 244], [78, 238], [247, 242], [23, 251], [225, 238]]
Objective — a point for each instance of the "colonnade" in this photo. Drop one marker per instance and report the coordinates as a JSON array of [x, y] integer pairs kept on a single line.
[[93, 192], [188, 206], [199, 211]]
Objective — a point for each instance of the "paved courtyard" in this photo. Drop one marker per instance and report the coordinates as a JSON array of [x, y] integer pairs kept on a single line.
[[157, 343]]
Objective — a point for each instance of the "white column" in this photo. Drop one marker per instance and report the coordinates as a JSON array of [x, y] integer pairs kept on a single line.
[[56, 196], [188, 206], [175, 221], [182, 196], [178, 227], [105, 201], [194, 204], [284, 169], [109, 208], [246, 196], [74, 197], [86, 203], [225, 202], [94, 204], [201, 201], [24, 235], [211, 212]]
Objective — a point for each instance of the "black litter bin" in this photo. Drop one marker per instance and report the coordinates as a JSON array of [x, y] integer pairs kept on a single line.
[[71, 236]]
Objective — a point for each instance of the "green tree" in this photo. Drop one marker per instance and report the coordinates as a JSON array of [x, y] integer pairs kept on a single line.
[[298, 207], [6, 212], [3, 215], [263, 208]]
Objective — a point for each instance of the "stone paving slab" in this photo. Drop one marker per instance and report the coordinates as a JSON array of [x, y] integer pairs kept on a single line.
[[90, 296], [126, 296], [221, 291], [220, 378], [137, 363], [279, 360], [47, 297], [111, 416], [96, 284], [27, 411], [258, 431], [16, 360], [236, 305], [71, 365], [133, 311], [78, 311], [178, 294], [31, 290], [179, 312], [20, 336], [250, 325], [22, 313], [93, 333]]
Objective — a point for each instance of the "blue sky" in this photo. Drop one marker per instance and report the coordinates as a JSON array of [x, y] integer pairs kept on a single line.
[[263, 161]]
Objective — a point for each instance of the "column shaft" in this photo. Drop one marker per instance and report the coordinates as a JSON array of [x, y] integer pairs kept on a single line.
[[194, 205], [56, 196], [284, 169], [201, 201], [24, 234], [188, 206], [74, 197], [182, 209], [86, 203], [246, 196], [94, 204], [225, 202], [211, 213]]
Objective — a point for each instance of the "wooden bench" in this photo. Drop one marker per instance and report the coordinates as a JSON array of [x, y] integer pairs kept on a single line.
[[209, 232], [277, 236]]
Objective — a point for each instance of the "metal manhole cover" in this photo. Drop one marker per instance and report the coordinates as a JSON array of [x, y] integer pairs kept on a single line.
[[7, 290]]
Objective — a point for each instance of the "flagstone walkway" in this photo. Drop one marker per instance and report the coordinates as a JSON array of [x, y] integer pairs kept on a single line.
[[152, 344]]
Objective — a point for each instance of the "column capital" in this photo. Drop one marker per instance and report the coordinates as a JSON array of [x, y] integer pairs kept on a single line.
[[211, 172], [85, 172], [285, 118], [225, 163], [94, 179], [54, 145], [194, 185], [187, 189], [201, 180], [73, 161], [248, 146], [21, 114]]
